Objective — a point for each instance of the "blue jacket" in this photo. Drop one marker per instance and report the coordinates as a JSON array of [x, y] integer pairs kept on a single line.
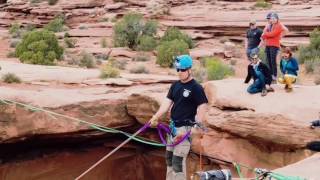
[[289, 67]]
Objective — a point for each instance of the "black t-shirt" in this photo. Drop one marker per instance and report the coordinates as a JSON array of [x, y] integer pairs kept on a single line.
[[254, 36], [186, 98]]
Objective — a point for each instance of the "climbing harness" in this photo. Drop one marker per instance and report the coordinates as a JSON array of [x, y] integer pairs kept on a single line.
[[162, 127]]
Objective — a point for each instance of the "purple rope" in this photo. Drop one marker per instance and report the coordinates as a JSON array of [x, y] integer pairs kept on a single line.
[[146, 126], [167, 130]]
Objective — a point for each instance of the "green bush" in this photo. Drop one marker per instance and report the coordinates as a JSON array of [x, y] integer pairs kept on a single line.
[[167, 50], [173, 33], [311, 51], [15, 30], [150, 28], [55, 25], [108, 71], [70, 43], [140, 69], [199, 73], [103, 42], [315, 39], [11, 78], [312, 65], [86, 60], [147, 43], [262, 56], [216, 70], [128, 30], [52, 2], [39, 47], [66, 35], [262, 4]]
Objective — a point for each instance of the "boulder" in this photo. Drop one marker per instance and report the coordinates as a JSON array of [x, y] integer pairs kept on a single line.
[[144, 111], [302, 105], [17, 123]]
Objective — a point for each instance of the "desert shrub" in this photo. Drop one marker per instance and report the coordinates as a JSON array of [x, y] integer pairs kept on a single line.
[[15, 30], [52, 2], [87, 60], [147, 43], [216, 70], [11, 78], [199, 73], [39, 47], [312, 65], [66, 35], [167, 50], [55, 25], [262, 55], [139, 69], [173, 33], [108, 71], [70, 42], [130, 28], [311, 51], [142, 57], [262, 4], [119, 64]]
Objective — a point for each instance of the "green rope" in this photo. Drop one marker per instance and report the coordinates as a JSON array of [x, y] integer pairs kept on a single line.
[[92, 125], [282, 177], [238, 168]]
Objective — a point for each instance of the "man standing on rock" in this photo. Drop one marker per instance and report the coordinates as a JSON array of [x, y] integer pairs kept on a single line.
[[188, 104], [253, 39]]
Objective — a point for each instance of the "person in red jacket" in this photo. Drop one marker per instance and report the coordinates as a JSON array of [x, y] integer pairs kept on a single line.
[[271, 36]]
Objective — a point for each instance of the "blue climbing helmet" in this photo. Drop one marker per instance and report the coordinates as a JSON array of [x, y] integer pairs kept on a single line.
[[183, 62]]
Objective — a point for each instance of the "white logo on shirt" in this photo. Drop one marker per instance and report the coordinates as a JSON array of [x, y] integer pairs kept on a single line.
[[186, 93]]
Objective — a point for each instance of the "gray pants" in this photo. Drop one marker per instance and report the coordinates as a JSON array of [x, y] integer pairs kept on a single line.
[[176, 157]]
